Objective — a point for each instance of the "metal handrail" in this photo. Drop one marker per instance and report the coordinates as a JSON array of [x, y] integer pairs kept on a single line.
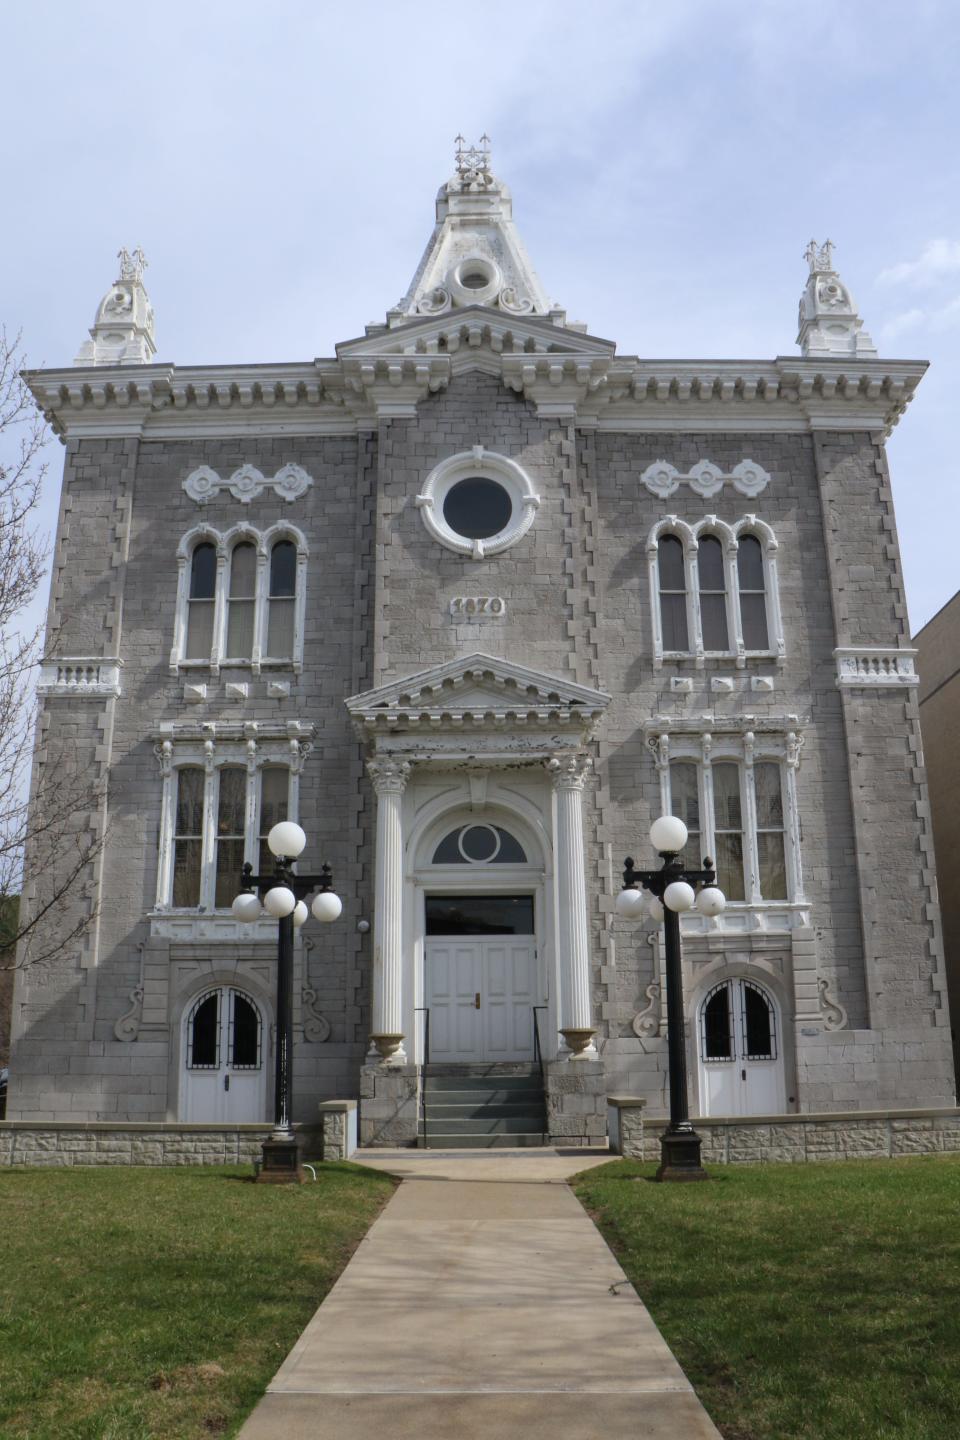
[[538, 1048], [424, 1010]]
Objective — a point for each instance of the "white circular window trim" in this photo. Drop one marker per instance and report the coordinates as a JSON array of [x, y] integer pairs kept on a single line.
[[471, 859], [474, 294], [487, 465]]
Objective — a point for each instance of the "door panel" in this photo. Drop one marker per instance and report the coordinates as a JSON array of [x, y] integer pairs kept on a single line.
[[741, 1068], [224, 1080], [502, 973]]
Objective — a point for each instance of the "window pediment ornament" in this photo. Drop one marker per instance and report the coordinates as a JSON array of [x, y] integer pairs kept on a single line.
[[246, 483], [518, 500], [705, 478]]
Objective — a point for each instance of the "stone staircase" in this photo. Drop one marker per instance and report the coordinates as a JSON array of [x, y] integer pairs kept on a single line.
[[482, 1107]]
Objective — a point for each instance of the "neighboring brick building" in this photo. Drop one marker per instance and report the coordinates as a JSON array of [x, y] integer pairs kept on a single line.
[[476, 600], [938, 665]]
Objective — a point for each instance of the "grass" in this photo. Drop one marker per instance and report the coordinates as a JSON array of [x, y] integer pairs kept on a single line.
[[805, 1302], [137, 1303]]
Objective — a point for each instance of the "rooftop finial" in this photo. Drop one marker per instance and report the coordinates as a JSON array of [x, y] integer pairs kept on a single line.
[[131, 266], [473, 162], [829, 323], [819, 257]]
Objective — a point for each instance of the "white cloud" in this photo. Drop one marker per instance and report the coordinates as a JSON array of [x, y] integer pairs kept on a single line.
[[939, 258], [948, 317], [906, 320]]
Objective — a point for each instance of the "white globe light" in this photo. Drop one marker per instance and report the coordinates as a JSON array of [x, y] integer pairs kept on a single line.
[[630, 903], [287, 840], [326, 906], [678, 896], [300, 914], [655, 910], [246, 907], [280, 901], [668, 835], [711, 901]]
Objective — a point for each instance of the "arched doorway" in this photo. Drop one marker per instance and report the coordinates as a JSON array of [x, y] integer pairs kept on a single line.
[[224, 1075], [741, 1054], [481, 970]]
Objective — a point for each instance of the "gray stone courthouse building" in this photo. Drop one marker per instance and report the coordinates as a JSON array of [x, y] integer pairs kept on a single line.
[[474, 600]]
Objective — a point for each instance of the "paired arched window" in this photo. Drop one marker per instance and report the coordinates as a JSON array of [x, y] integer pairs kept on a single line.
[[241, 599], [713, 589]]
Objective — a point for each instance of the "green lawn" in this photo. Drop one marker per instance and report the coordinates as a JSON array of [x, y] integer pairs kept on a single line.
[[805, 1302], [137, 1303]]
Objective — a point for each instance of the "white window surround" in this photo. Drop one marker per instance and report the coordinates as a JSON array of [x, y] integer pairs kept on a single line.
[[729, 537], [485, 464], [746, 748], [224, 543], [211, 753]]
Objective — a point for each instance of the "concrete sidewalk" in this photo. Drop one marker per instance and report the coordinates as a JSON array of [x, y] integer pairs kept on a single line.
[[482, 1303]]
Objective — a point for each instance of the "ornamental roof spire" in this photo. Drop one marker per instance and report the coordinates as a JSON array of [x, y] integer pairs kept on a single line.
[[123, 331], [475, 255], [829, 323]]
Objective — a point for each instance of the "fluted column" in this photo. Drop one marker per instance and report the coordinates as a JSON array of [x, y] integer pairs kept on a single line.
[[567, 774], [389, 776]]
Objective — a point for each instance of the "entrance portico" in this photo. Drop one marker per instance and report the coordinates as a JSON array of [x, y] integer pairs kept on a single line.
[[479, 767]]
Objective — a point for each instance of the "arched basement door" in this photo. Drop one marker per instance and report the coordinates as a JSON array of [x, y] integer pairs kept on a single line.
[[224, 1077], [741, 1059]]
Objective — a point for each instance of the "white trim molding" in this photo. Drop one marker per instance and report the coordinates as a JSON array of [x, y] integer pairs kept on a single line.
[[875, 667], [485, 464], [246, 483], [729, 537], [706, 479], [80, 676], [224, 543]]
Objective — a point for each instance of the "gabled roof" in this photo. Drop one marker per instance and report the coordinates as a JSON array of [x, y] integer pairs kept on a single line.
[[478, 691]]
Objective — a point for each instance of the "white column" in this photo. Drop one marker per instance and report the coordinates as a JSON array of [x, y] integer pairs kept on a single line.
[[568, 773], [389, 778]]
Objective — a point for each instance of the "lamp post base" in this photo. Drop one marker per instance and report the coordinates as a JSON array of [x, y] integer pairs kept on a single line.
[[680, 1156], [281, 1163]]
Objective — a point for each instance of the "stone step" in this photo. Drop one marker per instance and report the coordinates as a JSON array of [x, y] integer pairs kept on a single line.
[[499, 1069], [484, 1142], [482, 1084], [445, 1102], [482, 1124]]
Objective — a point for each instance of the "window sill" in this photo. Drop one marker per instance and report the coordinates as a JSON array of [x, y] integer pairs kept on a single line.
[[767, 917], [216, 925]]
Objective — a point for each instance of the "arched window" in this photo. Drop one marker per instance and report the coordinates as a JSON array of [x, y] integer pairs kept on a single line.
[[479, 844], [713, 593], [240, 599], [753, 597], [202, 602], [673, 593], [281, 601], [241, 605]]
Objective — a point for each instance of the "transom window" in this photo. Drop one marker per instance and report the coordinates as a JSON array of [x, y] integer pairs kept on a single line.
[[713, 589], [241, 599], [479, 844], [738, 1022], [237, 1043]]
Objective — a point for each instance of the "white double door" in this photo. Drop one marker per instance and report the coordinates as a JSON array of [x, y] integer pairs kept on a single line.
[[741, 1061], [224, 1076], [480, 994]]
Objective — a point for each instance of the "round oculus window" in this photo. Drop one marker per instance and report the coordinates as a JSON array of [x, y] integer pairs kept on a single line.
[[477, 508]]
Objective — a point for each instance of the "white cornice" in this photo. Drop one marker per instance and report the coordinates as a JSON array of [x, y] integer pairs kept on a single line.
[[590, 387]]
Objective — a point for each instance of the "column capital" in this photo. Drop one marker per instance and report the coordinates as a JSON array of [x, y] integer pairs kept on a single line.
[[389, 774], [568, 772]]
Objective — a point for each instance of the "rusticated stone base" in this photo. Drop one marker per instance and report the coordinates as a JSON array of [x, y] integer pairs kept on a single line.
[[389, 1104], [339, 1121], [106, 1143], [853, 1135], [576, 1095]]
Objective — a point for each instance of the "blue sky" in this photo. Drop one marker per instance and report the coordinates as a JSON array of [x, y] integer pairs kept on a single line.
[[669, 163]]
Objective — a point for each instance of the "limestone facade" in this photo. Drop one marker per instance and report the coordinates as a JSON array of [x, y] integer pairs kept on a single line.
[[525, 684]]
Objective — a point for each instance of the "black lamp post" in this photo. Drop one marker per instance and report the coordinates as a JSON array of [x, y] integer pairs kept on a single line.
[[283, 894], [674, 889]]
